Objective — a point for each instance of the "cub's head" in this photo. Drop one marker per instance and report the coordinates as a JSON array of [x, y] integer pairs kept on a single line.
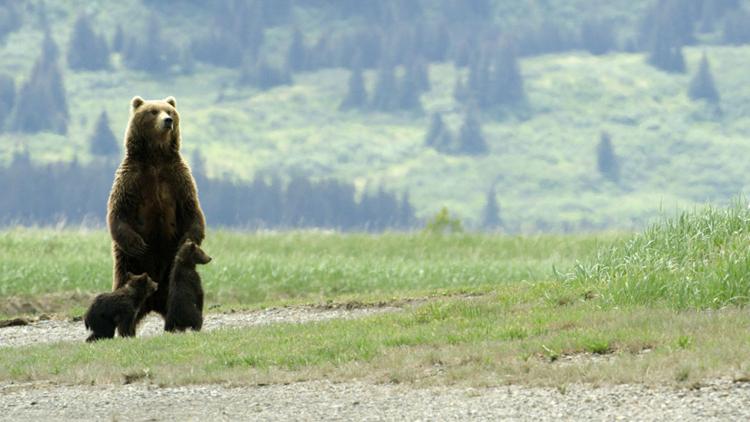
[[154, 126], [142, 282], [190, 252]]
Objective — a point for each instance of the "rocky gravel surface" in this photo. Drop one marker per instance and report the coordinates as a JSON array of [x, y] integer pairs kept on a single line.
[[53, 330], [322, 400]]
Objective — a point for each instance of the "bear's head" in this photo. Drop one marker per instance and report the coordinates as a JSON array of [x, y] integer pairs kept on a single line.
[[191, 253], [142, 283], [154, 127]]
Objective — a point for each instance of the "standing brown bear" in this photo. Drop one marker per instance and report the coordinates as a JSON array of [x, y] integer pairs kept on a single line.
[[185, 301], [153, 207]]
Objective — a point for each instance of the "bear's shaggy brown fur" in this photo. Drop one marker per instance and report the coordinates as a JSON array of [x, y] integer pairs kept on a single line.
[[153, 207], [118, 308], [185, 300]]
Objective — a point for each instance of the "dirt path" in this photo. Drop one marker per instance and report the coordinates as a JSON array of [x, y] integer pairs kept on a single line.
[[322, 400], [51, 331]]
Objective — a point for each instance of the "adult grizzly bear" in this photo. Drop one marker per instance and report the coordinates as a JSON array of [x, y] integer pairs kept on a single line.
[[153, 206]]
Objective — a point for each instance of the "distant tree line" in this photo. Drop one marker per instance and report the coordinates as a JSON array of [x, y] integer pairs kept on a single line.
[[74, 192]]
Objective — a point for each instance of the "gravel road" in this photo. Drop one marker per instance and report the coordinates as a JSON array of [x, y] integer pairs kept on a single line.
[[322, 400], [53, 330]]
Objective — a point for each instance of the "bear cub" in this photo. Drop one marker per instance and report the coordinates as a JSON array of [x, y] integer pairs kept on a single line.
[[185, 298], [119, 308]]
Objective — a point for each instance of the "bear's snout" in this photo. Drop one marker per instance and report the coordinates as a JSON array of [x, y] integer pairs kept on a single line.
[[168, 121]]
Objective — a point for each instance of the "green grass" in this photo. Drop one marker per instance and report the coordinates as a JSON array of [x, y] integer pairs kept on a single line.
[[697, 260], [544, 310], [511, 336], [300, 266]]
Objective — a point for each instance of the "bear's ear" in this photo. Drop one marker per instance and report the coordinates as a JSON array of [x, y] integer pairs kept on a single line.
[[130, 275], [136, 102], [171, 101]]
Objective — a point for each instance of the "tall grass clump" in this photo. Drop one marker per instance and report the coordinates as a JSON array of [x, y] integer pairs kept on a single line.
[[699, 259]]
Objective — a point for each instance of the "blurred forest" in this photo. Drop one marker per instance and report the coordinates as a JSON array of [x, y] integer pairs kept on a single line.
[[518, 115]]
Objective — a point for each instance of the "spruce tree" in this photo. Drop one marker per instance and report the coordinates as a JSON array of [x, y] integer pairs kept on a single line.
[[491, 211], [506, 82], [436, 129], [406, 217], [606, 159], [7, 97], [118, 40], [385, 96], [702, 86], [409, 90], [86, 49], [736, 29], [296, 56], [103, 142], [597, 36], [261, 74], [41, 104], [470, 138], [356, 97]]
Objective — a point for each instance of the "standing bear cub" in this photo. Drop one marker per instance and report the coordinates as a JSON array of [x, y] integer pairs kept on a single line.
[[185, 300], [153, 206], [119, 308]]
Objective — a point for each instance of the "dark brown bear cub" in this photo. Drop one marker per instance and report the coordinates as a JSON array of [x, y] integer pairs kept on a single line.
[[119, 308], [185, 299]]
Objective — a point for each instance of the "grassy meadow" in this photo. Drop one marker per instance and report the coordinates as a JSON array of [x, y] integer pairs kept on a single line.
[[663, 306]]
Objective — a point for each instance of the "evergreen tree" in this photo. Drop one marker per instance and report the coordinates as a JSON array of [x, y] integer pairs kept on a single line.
[[597, 36], [356, 97], [10, 18], [86, 49], [406, 216], [419, 73], [506, 80], [409, 90], [702, 86], [470, 138], [666, 56], [665, 29], [296, 56], [385, 96], [198, 165], [736, 29], [606, 159], [7, 97], [219, 48], [153, 53], [491, 211], [41, 104], [118, 40], [263, 75], [102, 142], [436, 129], [460, 92]]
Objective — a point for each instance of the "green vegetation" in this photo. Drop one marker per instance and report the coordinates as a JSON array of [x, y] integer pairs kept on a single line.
[[672, 152], [697, 260], [271, 267], [490, 309]]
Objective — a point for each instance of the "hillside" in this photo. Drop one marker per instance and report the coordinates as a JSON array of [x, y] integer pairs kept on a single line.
[[673, 152]]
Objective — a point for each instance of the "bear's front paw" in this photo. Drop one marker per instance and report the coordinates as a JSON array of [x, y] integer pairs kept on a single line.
[[137, 247]]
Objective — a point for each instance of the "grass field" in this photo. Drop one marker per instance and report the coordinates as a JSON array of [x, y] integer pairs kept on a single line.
[[662, 306]]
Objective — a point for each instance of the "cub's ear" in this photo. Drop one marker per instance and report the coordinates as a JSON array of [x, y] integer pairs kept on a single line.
[[171, 101], [130, 275], [136, 102]]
